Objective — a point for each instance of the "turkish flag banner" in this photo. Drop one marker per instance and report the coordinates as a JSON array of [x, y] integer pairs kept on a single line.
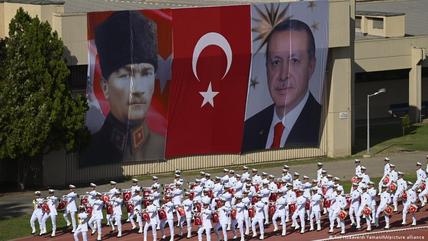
[[210, 73]]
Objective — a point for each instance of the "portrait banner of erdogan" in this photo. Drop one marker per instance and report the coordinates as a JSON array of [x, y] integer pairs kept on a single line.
[[129, 71], [285, 90]]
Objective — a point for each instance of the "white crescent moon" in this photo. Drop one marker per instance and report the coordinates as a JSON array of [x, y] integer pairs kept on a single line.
[[208, 39]]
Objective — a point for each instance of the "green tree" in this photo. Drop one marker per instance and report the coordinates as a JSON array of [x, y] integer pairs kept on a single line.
[[38, 112]]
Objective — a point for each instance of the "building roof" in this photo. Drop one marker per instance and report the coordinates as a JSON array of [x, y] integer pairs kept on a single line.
[[415, 10], [38, 2], [378, 14]]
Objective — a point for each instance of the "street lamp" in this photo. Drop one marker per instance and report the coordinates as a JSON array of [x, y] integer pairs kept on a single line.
[[380, 91]]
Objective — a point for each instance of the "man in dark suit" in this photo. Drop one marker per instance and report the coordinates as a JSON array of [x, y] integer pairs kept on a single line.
[[127, 49], [293, 120]]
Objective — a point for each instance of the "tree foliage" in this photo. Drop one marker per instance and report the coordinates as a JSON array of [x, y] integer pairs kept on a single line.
[[38, 112]]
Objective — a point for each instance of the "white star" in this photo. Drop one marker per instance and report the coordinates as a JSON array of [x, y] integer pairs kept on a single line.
[[163, 73], [208, 96]]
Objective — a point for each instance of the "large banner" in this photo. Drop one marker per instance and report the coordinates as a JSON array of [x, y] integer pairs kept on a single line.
[[284, 104], [239, 79], [129, 71]]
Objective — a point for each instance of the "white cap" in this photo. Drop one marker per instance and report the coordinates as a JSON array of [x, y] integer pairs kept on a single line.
[[254, 170], [336, 178], [207, 174], [217, 178], [202, 173], [324, 171], [71, 186], [363, 168], [340, 188], [264, 174], [286, 167], [357, 160], [226, 170], [245, 168], [386, 159], [155, 178], [186, 193], [177, 175], [37, 193], [134, 179], [409, 183], [418, 164], [392, 165], [177, 171], [238, 195], [319, 164], [384, 186], [93, 184], [329, 176], [265, 182], [271, 176], [197, 180], [305, 177], [231, 171], [237, 175], [371, 183], [51, 190], [113, 182], [400, 173], [296, 174]]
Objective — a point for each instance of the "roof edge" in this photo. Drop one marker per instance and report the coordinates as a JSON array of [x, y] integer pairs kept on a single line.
[[35, 2]]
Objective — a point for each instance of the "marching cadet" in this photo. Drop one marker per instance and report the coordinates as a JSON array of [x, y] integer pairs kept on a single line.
[[169, 208], [202, 179], [155, 183], [52, 202], [136, 200], [96, 216], [386, 171], [365, 178], [286, 176], [272, 185], [247, 202], [223, 219], [393, 175], [111, 193], [291, 199], [280, 205], [372, 192], [116, 218], [239, 208], [206, 215], [238, 185], [258, 218], [411, 200], [366, 201], [208, 183], [315, 205], [336, 181], [71, 207], [355, 203], [297, 184], [255, 177], [385, 200], [218, 187], [152, 211], [232, 178], [331, 197], [177, 195], [420, 175], [307, 192], [300, 211], [92, 194], [83, 225], [264, 177], [225, 177], [339, 204], [37, 213], [245, 174], [401, 188], [197, 190], [134, 187], [424, 192], [188, 207], [319, 171], [357, 167], [264, 194]]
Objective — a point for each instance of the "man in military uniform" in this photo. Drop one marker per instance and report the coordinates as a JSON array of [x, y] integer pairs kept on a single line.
[[127, 49]]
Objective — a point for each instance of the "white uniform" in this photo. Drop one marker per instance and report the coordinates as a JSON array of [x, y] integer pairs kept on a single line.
[[411, 199], [358, 170], [244, 176], [338, 205], [206, 226], [401, 187], [315, 211], [247, 203], [300, 212], [258, 218], [223, 216], [365, 178], [355, 204], [372, 192], [297, 184], [82, 228], [385, 200], [71, 209], [240, 208], [169, 209], [188, 207], [291, 199], [37, 215], [423, 194], [116, 218], [136, 201], [152, 210], [265, 193], [96, 217], [286, 177], [420, 177], [280, 205], [256, 179], [52, 202], [319, 174], [386, 171], [366, 200]]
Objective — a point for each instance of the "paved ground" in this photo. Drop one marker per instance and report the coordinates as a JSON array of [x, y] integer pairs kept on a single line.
[[396, 232], [16, 204]]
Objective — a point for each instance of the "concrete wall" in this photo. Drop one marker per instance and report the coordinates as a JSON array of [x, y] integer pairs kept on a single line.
[[2, 24]]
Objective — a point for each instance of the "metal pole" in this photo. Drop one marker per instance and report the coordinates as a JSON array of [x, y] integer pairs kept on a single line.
[[368, 124]]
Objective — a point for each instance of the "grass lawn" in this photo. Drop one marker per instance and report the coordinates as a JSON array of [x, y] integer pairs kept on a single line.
[[389, 138]]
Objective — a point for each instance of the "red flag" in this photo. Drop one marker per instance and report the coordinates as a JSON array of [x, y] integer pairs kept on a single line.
[[209, 81]]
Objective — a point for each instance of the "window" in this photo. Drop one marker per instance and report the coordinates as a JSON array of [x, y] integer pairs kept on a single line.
[[377, 23], [358, 22]]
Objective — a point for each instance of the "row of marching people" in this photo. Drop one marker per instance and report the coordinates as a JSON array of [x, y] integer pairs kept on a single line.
[[243, 203]]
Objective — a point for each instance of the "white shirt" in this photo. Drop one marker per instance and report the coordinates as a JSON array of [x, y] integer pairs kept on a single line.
[[259, 208], [52, 202], [71, 202], [358, 171], [386, 169], [83, 221], [319, 174], [117, 205], [244, 176], [393, 176], [288, 120], [286, 177], [385, 199], [316, 202], [97, 209], [420, 175], [297, 184], [365, 178]]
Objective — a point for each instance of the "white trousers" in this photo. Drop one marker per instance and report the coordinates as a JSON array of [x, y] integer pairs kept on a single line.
[[73, 218], [37, 215], [153, 225], [207, 230]]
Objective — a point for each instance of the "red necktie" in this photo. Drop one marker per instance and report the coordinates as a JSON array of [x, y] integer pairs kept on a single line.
[[279, 128]]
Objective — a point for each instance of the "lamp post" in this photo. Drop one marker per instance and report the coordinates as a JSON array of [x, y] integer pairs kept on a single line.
[[380, 91]]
